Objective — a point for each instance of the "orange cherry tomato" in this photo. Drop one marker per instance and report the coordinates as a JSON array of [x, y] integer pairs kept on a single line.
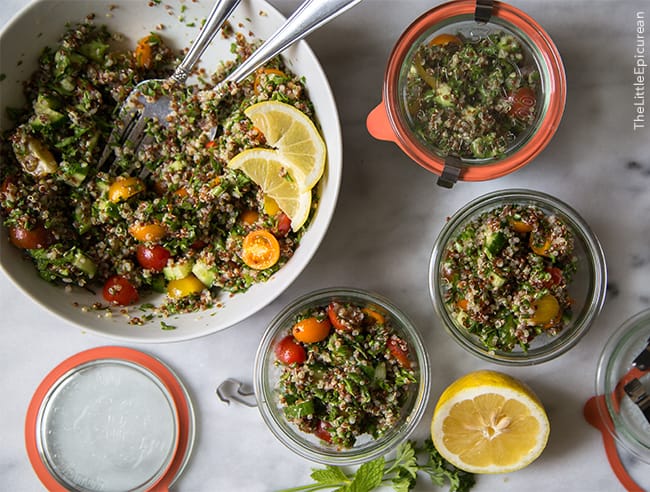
[[145, 233], [249, 217], [399, 351], [376, 316], [260, 249], [520, 226], [337, 322], [143, 51], [184, 287], [442, 39], [312, 330]]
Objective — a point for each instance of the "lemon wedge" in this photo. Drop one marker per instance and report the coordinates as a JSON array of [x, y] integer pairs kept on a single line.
[[295, 136], [268, 169], [489, 422]]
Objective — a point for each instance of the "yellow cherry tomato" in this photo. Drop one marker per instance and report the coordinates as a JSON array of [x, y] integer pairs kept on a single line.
[[124, 188], [547, 308], [145, 233], [312, 330], [184, 287], [260, 249]]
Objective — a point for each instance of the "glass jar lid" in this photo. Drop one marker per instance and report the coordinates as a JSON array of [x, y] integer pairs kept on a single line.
[[623, 378], [109, 419]]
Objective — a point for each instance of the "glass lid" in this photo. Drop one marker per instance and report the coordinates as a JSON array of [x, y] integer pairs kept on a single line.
[[109, 419]]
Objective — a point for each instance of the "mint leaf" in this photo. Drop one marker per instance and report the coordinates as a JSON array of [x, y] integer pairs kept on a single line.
[[368, 476], [330, 475]]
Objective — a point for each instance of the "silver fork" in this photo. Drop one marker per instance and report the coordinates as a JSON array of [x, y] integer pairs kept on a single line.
[[311, 15], [137, 110]]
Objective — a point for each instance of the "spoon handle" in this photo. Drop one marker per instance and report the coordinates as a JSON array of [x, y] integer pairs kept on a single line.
[[311, 15], [217, 16]]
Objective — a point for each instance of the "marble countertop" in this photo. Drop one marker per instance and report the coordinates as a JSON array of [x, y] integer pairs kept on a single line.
[[388, 216]]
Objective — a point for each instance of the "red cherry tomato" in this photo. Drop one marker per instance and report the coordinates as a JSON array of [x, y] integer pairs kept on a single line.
[[523, 103], [322, 431], [556, 277], [337, 322], [153, 257], [400, 352], [118, 290], [288, 351], [36, 238], [283, 225]]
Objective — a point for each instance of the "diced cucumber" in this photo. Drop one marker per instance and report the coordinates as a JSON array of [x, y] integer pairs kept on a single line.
[[206, 273], [496, 280], [178, 270], [95, 50], [85, 264], [45, 108], [494, 243]]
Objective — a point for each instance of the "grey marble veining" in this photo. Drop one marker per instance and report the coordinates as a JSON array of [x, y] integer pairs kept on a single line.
[[389, 213]]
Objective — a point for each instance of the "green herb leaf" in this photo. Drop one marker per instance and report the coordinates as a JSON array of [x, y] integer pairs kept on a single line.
[[331, 475], [400, 473], [368, 476]]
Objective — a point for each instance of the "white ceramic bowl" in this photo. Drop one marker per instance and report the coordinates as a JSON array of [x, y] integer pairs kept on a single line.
[[41, 24]]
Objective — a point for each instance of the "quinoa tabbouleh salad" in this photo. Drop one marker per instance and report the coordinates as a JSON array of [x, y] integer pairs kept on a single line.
[[345, 372], [185, 228], [506, 276], [471, 99]]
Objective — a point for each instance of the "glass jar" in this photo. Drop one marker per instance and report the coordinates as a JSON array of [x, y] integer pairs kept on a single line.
[[626, 357], [267, 375], [586, 289], [392, 121]]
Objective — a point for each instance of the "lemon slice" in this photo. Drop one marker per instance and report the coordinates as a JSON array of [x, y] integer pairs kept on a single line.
[[268, 169], [295, 136], [489, 422]]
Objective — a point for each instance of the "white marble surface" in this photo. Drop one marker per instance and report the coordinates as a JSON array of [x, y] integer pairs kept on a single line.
[[389, 213]]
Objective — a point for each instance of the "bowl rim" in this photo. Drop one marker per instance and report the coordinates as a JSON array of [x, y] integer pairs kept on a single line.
[[548, 125], [264, 392], [597, 273], [200, 323]]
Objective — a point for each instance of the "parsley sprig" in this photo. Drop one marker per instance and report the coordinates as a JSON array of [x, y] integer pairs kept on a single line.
[[401, 473]]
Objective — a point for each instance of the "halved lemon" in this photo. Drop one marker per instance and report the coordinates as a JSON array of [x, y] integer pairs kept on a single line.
[[489, 422], [269, 170], [295, 136]]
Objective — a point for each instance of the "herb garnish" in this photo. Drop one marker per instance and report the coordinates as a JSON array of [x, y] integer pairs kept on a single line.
[[400, 473]]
